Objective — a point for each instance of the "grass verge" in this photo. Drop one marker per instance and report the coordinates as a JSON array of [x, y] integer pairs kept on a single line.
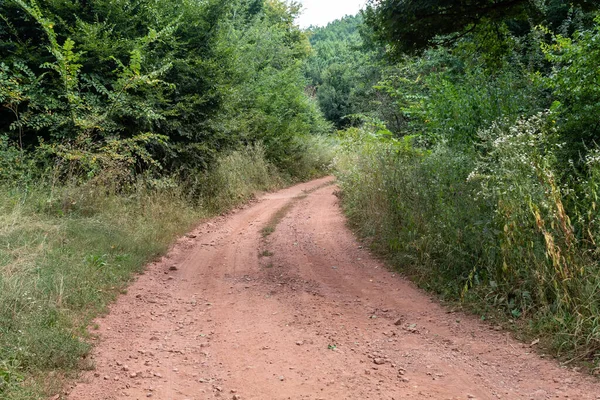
[[498, 233]]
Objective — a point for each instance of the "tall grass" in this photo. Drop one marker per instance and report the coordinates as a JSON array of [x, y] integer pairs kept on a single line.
[[64, 255], [499, 227], [66, 252]]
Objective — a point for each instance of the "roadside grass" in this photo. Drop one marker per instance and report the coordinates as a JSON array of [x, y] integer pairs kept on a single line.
[[61, 268], [496, 235], [67, 252]]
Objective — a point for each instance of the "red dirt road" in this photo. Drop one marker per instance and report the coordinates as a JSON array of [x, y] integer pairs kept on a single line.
[[306, 313]]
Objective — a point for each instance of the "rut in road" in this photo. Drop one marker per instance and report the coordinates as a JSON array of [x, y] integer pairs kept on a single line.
[[303, 313]]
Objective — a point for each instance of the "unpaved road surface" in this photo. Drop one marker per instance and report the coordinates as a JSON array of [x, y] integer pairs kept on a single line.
[[306, 313]]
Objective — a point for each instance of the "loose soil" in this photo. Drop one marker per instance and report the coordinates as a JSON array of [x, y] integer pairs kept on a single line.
[[303, 313]]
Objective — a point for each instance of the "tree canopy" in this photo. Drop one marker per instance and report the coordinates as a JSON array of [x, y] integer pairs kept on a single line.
[[410, 26]]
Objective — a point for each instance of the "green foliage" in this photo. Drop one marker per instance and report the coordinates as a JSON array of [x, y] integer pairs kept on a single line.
[[445, 94], [410, 26], [449, 94], [545, 247], [414, 204], [265, 95], [198, 79], [496, 230], [455, 108], [483, 183], [574, 81], [237, 176], [15, 165], [342, 71], [314, 156]]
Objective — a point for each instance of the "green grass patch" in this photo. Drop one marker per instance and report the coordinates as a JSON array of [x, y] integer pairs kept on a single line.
[[266, 253], [270, 227], [61, 268]]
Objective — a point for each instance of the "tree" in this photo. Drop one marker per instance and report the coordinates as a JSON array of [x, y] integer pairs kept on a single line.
[[342, 70], [409, 26], [183, 79]]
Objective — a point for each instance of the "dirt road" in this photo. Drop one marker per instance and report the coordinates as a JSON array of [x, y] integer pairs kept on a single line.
[[305, 313]]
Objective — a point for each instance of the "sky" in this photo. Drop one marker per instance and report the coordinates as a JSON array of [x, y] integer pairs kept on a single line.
[[321, 12]]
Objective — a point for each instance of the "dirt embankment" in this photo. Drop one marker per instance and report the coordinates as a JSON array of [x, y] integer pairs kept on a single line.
[[302, 313]]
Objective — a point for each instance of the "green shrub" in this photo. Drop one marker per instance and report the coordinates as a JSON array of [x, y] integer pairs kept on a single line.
[[236, 177], [575, 85], [15, 164]]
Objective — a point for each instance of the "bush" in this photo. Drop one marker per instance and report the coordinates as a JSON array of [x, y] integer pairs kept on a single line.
[[15, 164], [236, 177], [575, 84], [416, 205]]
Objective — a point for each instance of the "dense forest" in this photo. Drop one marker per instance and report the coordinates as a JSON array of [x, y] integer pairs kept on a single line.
[[463, 135]]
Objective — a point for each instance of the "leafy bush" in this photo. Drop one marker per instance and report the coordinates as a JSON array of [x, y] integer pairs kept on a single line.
[[575, 84], [15, 165], [415, 205], [236, 177], [110, 91]]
